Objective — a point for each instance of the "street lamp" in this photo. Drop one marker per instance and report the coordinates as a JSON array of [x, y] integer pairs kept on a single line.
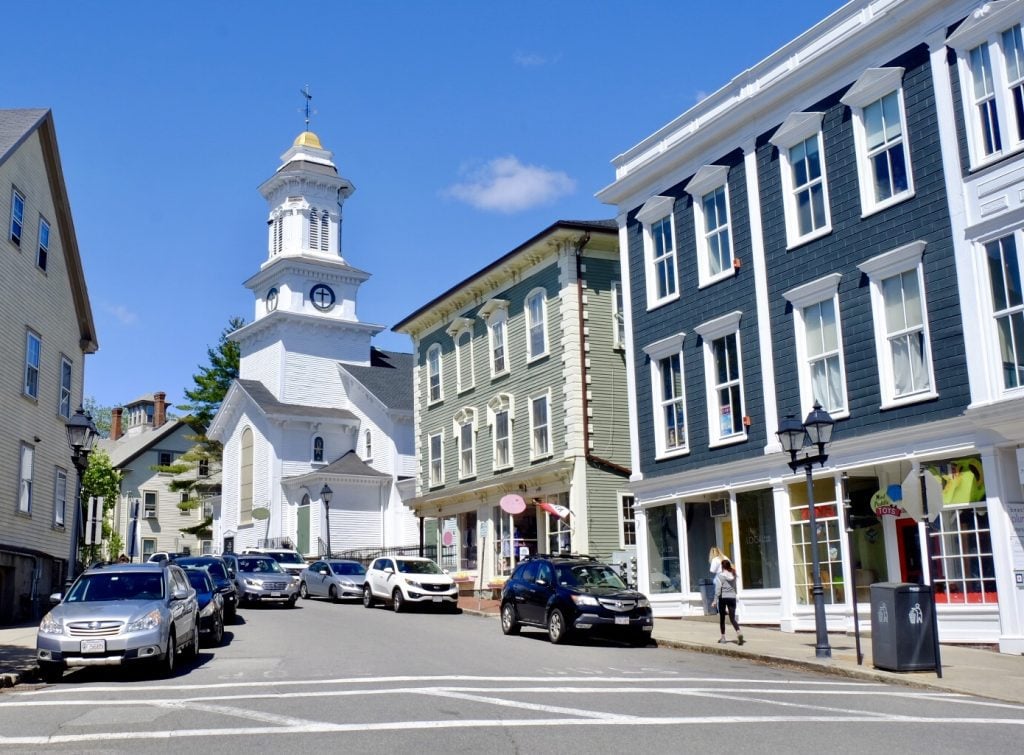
[[816, 430], [81, 436], [325, 495]]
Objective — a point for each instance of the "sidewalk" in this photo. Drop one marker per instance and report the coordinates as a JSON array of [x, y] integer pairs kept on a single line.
[[966, 670]]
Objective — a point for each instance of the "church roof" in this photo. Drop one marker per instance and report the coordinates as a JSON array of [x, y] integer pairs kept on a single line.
[[389, 377], [351, 464], [271, 406], [305, 166], [307, 139]]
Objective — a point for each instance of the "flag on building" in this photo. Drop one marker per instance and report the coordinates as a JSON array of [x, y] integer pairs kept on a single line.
[[554, 509]]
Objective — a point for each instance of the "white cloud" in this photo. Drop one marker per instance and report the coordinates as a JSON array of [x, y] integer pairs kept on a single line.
[[532, 59], [121, 313], [506, 185]]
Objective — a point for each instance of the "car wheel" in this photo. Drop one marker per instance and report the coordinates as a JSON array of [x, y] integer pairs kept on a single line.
[[291, 601], [397, 600], [166, 664], [333, 594], [558, 632], [218, 632], [304, 591], [368, 600], [192, 652], [51, 672], [638, 639], [229, 616], [509, 623]]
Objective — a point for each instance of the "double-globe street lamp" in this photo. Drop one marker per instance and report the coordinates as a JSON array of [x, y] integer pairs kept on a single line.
[[81, 436], [816, 430], [325, 495]]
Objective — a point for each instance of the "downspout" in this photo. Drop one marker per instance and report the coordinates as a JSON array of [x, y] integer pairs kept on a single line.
[[591, 458]]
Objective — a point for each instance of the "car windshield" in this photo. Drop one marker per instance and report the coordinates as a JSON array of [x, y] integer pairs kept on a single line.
[[259, 565], [287, 557], [418, 567], [589, 575], [215, 568], [347, 569], [199, 580], [95, 588]]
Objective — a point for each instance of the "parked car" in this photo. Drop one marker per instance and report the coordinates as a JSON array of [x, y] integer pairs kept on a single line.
[[261, 577], [118, 614], [291, 560], [165, 556], [566, 594], [332, 579], [403, 580], [223, 577], [211, 605]]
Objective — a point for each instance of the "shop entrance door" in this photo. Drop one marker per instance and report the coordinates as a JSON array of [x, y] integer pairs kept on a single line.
[[908, 540]]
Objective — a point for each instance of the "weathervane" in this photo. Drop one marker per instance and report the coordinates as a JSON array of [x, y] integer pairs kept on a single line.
[[305, 93]]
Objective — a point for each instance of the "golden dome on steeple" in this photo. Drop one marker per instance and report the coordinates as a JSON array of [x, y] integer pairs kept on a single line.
[[307, 139]]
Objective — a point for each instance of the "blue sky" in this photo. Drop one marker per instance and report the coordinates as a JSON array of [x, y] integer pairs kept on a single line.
[[465, 127]]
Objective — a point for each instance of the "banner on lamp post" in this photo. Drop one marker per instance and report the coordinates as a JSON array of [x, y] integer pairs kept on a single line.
[[94, 522]]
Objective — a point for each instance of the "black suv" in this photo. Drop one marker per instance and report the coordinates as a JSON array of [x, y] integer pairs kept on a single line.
[[567, 593], [223, 577]]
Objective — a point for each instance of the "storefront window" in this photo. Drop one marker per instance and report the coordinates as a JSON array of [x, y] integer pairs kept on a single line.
[[700, 536], [518, 537], [559, 537], [663, 550], [829, 537], [467, 541], [759, 551]]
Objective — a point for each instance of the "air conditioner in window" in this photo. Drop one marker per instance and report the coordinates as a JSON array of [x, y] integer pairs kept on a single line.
[[720, 507], [149, 515]]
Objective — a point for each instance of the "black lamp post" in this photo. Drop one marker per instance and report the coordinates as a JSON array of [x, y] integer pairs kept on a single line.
[[816, 430], [81, 436], [326, 494]]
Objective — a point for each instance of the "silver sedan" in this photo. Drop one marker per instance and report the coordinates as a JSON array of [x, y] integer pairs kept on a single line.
[[332, 579]]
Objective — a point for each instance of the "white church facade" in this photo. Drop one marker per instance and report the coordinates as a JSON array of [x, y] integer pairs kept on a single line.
[[316, 406]]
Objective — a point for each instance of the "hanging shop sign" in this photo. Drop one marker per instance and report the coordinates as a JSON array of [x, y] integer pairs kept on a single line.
[[963, 480], [887, 502]]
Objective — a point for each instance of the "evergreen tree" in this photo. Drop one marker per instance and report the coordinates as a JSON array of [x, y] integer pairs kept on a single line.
[[212, 382]]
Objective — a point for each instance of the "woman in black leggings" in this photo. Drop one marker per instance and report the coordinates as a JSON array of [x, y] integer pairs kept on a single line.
[[725, 599]]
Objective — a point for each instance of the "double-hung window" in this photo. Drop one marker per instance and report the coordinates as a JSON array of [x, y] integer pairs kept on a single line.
[[17, 216], [536, 324], [804, 179], [627, 519], [64, 402], [540, 426], [900, 315], [495, 314], [668, 396], [60, 497], [27, 461], [990, 62], [434, 373], [618, 317], [465, 437], [1007, 290], [819, 344], [723, 377], [149, 505], [435, 452], [710, 191], [658, 223], [44, 244], [461, 332], [33, 347], [880, 137], [500, 412]]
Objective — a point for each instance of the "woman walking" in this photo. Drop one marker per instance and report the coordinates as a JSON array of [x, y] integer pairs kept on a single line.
[[725, 599], [715, 558]]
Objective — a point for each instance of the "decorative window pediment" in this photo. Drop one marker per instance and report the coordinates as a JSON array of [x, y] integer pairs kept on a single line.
[[896, 261], [459, 324], [989, 19], [720, 326], [503, 402], [815, 291], [796, 128], [492, 307], [671, 345], [707, 178], [872, 84], [655, 208]]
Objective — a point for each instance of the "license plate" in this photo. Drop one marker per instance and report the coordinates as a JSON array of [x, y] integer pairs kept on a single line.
[[622, 620], [436, 600], [94, 646], [277, 594]]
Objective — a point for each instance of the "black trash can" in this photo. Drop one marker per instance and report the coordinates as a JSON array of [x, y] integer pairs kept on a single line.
[[902, 638], [707, 595]]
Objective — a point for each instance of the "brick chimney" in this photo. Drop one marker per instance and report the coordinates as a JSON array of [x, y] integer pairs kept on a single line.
[[159, 409], [115, 423]]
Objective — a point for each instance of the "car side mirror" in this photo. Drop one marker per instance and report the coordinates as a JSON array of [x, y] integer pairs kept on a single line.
[[231, 573], [323, 571], [388, 570], [179, 594], [542, 582], [55, 598]]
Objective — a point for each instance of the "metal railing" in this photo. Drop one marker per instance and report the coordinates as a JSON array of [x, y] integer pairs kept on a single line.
[[275, 542], [366, 555]]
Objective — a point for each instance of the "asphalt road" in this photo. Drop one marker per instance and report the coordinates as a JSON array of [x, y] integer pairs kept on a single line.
[[332, 678]]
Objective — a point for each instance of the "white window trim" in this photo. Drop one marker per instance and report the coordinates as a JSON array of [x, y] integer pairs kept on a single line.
[[546, 395], [431, 481], [655, 209], [879, 268], [15, 196], [61, 388], [463, 417], [60, 506], [458, 327], [29, 335], [622, 528], [435, 349], [797, 128], [662, 349], [805, 296], [706, 180], [543, 294], [873, 85], [26, 477], [985, 26], [312, 450], [709, 332], [503, 402], [495, 313], [43, 250], [994, 379], [618, 316]]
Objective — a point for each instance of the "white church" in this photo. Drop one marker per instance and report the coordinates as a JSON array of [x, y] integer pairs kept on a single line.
[[317, 431]]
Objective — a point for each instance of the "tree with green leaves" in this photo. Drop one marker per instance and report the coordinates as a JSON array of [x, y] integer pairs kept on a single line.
[[101, 415], [102, 480], [212, 382]]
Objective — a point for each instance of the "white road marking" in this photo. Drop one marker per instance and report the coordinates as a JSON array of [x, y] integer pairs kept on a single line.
[[440, 692]]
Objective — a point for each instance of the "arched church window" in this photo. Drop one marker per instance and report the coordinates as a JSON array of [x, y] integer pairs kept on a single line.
[[245, 478], [318, 449], [325, 230], [314, 229]]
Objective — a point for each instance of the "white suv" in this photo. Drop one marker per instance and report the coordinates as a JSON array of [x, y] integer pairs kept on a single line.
[[403, 580], [291, 561]]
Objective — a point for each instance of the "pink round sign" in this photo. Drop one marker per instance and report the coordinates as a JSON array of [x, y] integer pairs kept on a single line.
[[447, 538], [513, 504]]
